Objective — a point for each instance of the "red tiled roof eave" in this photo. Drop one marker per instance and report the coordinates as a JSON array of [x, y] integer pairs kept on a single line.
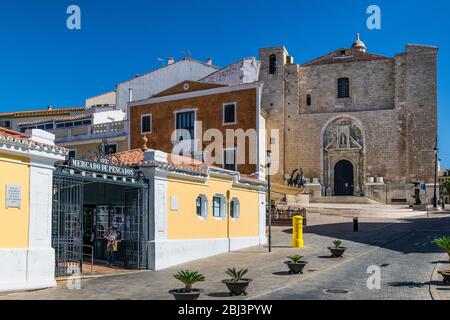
[[42, 112], [59, 119], [14, 136]]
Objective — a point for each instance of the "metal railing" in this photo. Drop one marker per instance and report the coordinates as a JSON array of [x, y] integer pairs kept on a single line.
[[283, 214], [91, 255], [91, 131]]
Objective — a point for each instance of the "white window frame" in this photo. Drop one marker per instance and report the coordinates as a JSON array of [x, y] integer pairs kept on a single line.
[[175, 113], [235, 113], [224, 158], [204, 206], [235, 204], [222, 208], [151, 123]]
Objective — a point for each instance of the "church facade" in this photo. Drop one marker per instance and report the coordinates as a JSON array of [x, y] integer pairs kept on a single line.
[[355, 123]]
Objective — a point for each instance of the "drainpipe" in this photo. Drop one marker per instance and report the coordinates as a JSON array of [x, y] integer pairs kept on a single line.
[[228, 220]]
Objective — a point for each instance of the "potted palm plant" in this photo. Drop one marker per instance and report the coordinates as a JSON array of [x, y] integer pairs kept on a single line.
[[237, 285], [188, 278], [444, 243], [295, 264], [336, 250]]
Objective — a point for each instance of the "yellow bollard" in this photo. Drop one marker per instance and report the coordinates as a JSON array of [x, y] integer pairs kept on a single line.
[[297, 234]]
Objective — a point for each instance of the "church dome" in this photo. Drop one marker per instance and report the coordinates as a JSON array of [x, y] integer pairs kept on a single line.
[[358, 45]]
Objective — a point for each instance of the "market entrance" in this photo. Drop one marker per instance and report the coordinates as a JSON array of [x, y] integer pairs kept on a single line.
[[88, 199]]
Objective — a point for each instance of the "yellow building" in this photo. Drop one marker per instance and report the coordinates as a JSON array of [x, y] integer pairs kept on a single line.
[[196, 210], [27, 259]]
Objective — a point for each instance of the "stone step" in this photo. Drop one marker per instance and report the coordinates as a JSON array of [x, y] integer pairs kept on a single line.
[[376, 211], [344, 200]]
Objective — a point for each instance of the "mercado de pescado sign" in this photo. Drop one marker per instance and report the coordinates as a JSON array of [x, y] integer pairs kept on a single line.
[[102, 167]]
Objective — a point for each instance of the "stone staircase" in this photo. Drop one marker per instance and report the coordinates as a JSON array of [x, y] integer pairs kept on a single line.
[[344, 200], [359, 207]]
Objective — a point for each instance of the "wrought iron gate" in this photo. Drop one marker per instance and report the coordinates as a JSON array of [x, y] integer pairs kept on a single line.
[[136, 253], [67, 224]]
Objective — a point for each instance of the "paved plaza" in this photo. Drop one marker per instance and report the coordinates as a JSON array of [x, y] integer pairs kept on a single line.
[[402, 248]]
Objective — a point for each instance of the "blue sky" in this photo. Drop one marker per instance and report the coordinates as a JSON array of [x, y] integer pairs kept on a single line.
[[43, 63]]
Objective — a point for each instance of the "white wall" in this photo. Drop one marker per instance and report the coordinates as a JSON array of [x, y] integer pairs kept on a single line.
[[34, 267], [243, 71], [108, 98], [109, 116], [146, 85]]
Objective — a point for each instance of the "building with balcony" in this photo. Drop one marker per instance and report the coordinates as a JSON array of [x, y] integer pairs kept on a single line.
[[10, 120], [81, 134]]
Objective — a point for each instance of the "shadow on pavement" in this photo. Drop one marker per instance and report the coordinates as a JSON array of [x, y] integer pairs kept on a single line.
[[219, 295], [282, 273], [400, 237]]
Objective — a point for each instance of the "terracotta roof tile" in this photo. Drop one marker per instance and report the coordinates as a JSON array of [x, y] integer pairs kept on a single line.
[[41, 113], [176, 162], [10, 133], [58, 119], [11, 136]]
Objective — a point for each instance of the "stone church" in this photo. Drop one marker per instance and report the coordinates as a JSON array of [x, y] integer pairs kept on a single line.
[[356, 123]]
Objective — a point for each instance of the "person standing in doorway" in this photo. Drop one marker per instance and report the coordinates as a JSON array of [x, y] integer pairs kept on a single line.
[[112, 247]]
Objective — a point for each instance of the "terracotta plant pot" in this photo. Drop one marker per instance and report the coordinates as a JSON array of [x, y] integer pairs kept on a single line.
[[237, 288], [179, 294], [296, 268], [337, 252], [446, 275]]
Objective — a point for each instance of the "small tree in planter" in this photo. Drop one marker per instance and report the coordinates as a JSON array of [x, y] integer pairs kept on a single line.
[[337, 251], [188, 278], [237, 285], [443, 243], [296, 265]]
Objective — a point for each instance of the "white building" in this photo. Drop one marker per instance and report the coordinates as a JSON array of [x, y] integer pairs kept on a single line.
[[144, 86]]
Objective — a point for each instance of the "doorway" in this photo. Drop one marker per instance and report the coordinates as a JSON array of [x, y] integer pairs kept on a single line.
[[343, 178], [83, 211]]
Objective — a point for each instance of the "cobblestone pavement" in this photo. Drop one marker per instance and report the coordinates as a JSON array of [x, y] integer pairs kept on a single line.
[[402, 248]]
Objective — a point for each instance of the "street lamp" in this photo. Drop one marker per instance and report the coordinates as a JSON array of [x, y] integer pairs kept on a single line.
[[269, 161], [436, 151]]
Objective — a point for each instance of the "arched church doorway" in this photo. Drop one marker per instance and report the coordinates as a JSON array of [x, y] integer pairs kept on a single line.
[[343, 178]]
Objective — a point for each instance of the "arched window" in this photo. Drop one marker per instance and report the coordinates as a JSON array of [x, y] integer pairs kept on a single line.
[[343, 88], [235, 208], [272, 64], [308, 100], [202, 206]]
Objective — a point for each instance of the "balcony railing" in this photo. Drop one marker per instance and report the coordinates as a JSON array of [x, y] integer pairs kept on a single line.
[[91, 132]]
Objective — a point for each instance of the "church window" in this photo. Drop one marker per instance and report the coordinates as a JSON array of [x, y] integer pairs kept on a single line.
[[308, 100], [272, 64], [343, 88]]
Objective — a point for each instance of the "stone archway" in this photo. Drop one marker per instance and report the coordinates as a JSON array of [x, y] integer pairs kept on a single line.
[[343, 145]]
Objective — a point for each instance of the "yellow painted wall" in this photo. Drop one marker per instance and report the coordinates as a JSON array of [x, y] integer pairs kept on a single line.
[[14, 222], [185, 224]]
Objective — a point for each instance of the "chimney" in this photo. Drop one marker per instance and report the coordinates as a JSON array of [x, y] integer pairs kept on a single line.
[[209, 61], [130, 95], [170, 61], [155, 155], [41, 136]]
